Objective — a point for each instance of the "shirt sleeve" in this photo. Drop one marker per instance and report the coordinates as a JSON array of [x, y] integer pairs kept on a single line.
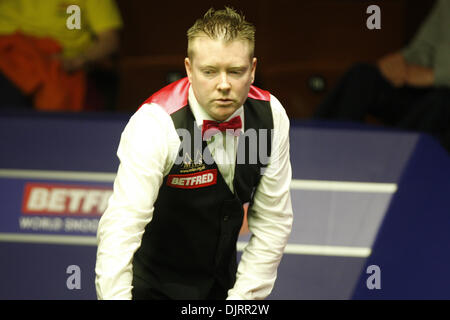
[[143, 152], [269, 218], [431, 45], [103, 15]]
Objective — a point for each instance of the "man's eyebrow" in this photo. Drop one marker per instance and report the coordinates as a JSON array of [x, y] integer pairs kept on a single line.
[[238, 68], [207, 66]]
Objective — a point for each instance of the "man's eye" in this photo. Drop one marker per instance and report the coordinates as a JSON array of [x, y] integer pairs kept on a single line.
[[208, 72], [236, 72]]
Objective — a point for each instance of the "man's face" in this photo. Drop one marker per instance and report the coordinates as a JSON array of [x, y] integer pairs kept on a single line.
[[220, 74]]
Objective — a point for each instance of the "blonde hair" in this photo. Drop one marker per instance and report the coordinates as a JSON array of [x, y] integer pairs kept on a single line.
[[226, 25]]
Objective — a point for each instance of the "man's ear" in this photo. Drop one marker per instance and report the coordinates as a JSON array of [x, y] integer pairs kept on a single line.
[[254, 62], [188, 66]]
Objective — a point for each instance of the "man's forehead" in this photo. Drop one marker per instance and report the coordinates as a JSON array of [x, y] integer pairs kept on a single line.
[[204, 40], [215, 62], [213, 51]]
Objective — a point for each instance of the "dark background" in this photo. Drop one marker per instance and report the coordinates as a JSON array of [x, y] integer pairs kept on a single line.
[[295, 40]]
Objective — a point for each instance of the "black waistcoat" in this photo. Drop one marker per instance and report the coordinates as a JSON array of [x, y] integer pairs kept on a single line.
[[189, 246]]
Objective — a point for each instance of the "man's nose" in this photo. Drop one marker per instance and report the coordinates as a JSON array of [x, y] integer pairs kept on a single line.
[[224, 84]]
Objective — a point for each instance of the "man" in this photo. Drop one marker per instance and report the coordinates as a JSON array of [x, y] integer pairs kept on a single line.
[[409, 89], [44, 63], [172, 223]]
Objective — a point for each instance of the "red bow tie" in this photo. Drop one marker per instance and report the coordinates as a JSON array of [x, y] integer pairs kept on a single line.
[[210, 128]]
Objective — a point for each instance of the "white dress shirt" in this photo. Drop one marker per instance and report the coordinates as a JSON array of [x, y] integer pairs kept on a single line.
[[147, 151]]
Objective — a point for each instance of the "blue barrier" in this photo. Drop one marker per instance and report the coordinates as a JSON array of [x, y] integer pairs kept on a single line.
[[362, 197]]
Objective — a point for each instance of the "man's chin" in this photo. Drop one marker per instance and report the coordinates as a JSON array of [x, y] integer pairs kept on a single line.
[[221, 113]]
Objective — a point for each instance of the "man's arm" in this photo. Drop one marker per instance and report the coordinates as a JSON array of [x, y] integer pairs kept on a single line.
[[398, 72], [143, 154], [269, 218], [103, 18], [418, 76], [394, 68], [105, 44], [428, 53]]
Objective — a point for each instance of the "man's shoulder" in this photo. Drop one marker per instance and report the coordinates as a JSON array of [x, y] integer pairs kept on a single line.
[[259, 94], [172, 97], [268, 98]]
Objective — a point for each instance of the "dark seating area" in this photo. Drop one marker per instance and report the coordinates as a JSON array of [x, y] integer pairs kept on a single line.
[[303, 47]]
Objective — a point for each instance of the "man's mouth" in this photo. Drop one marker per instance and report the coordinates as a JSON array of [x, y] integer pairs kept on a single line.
[[224, 101]]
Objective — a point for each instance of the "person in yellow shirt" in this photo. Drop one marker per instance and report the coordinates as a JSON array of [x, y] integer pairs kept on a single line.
[[96, 39]]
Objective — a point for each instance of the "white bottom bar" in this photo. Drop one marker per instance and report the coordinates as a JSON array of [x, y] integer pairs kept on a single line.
[[92, 241], [307, 249], [296, 184], [48, 239]]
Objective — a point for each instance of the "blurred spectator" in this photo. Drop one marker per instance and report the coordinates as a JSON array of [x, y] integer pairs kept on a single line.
[[47, 66], [409, 89]]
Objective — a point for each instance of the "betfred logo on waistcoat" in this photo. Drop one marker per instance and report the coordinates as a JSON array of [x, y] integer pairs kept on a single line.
[[193, 180], [59, 199]]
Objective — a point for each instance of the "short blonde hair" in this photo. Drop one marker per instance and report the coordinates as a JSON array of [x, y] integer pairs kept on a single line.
[[227, 25]]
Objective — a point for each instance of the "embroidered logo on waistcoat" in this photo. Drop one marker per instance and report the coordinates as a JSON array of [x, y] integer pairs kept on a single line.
[[191, 166]]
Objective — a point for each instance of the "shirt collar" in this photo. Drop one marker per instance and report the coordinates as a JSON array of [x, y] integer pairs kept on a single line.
[[200, 114]]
